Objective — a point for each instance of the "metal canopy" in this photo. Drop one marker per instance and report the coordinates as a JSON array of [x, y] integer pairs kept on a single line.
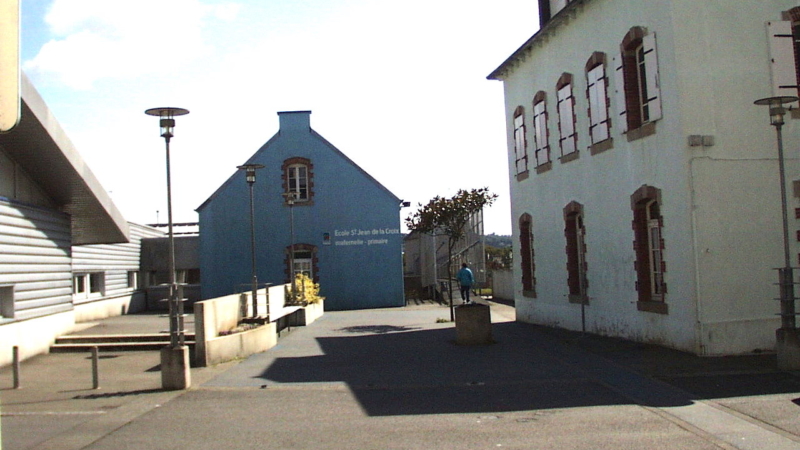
[[40, 146]]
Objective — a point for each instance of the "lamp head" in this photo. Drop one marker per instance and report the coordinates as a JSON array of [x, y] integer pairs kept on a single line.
[[167, 119], [250, 171], [776, 108]]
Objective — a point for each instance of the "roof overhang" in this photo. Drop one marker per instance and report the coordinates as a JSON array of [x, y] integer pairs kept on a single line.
[[40, 146]]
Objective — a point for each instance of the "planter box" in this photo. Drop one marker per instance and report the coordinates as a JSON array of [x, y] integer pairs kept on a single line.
[[308, 314], [236, 346]]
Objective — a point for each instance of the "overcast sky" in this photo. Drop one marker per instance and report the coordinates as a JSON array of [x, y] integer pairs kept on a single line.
[[399, 87]]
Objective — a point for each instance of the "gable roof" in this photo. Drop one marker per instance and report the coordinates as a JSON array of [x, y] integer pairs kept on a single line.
[[40, 146], [324, 141]]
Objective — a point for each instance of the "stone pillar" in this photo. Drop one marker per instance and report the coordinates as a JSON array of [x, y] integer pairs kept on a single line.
[[787, 346], [175, 373], [473, 324]]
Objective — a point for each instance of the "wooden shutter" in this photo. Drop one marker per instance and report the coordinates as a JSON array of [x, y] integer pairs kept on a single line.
[[653, 82], [619, 92], [781, 53]]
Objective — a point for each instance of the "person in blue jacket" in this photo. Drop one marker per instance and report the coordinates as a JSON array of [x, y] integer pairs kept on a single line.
[[465, 280]]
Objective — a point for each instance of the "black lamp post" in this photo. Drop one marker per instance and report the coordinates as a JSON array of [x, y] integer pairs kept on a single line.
[[787, 334], [250, 177], [176, 331]]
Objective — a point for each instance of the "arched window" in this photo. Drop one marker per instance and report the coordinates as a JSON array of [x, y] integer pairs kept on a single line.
[[298, 179], [527, 263], [520, 143], [637, 83], [597, 94], [575, 234], [540, 132], [568, 139], [305, 261], [648, 244]]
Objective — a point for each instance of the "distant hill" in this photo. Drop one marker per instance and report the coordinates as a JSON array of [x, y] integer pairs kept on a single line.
[[495, 240]]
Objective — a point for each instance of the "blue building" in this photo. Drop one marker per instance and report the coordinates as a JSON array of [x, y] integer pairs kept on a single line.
[[346, 224]]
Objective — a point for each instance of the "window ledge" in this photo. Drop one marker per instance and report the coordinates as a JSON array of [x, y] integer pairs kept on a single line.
[[522, 176], [529, 294], [569, 157], [542, 168], [601, 146], [305, 203], [643, 131], [653, 307]]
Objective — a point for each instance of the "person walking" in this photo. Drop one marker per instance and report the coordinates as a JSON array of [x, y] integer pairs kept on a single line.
[[465, 280]]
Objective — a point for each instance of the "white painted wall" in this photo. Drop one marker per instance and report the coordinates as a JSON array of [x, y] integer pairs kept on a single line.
[[720, 204]]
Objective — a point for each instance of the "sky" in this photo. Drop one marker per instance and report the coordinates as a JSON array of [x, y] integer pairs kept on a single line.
[[399, 87]]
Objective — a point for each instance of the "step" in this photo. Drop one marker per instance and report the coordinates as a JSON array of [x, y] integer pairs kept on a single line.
[[111, 346], [112, 338]]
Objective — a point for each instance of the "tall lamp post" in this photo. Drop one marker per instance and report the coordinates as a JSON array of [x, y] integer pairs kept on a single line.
[[290, 198], [250, 177], [787, 338], [175, 372]]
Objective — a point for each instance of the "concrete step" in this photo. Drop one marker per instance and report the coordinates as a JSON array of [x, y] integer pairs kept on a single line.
[[107, 343]]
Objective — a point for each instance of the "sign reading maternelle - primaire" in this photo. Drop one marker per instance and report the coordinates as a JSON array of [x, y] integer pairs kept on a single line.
[[357, 236]]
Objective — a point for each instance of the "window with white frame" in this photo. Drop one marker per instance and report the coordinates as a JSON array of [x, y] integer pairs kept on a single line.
[[648, 245], [297, 175], [133, 279], [520, 142], [566, 116], [7, 302], [637, 82], [597, 93], [88, 285], [540, 133]]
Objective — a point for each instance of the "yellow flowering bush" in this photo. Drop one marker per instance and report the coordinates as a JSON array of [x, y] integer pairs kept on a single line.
[[307, 292]]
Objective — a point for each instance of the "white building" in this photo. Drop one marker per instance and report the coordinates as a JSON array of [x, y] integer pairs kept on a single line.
[[66, 253], [645, 184]]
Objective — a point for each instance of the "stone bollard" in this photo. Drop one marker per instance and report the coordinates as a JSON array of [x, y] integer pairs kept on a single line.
[[473, 324]]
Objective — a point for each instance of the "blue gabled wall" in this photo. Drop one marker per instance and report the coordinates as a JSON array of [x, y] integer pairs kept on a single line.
[[359, 264]]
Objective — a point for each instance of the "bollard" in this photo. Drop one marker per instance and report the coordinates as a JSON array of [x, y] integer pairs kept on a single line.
[[95, 371], [15, 363]]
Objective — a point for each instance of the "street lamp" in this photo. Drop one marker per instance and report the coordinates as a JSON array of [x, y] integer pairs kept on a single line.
[[788, 341], [250, 177], [291, 198], [175, 358]]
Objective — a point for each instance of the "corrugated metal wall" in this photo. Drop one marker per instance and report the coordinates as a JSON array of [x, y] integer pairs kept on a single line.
[[34, 260], [113, 260]]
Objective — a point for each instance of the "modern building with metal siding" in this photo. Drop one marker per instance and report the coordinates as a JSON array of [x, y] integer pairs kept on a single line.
[[50, 201], [34, 261], [346, 226], [106, 277]]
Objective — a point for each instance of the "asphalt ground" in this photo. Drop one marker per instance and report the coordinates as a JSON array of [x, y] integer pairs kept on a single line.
[[394, 378]]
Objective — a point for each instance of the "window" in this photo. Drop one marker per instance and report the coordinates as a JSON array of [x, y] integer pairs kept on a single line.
[[540, 133], [597, 94], [305, 261], [649, 247], [520, 142], [566, 116], [526, 252], [133, 279], [298, 178], [575, 234], [784, 49], [88, 285], [637, 83], [6, 302]]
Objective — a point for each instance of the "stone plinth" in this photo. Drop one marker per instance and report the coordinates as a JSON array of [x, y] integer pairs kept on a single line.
[[473, 324], [175, 369], [787, 346]]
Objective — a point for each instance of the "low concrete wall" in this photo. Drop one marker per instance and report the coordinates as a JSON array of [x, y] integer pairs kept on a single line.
[[33, 336], [224, 313], [503, 284], [237, 345], [111, 307]]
